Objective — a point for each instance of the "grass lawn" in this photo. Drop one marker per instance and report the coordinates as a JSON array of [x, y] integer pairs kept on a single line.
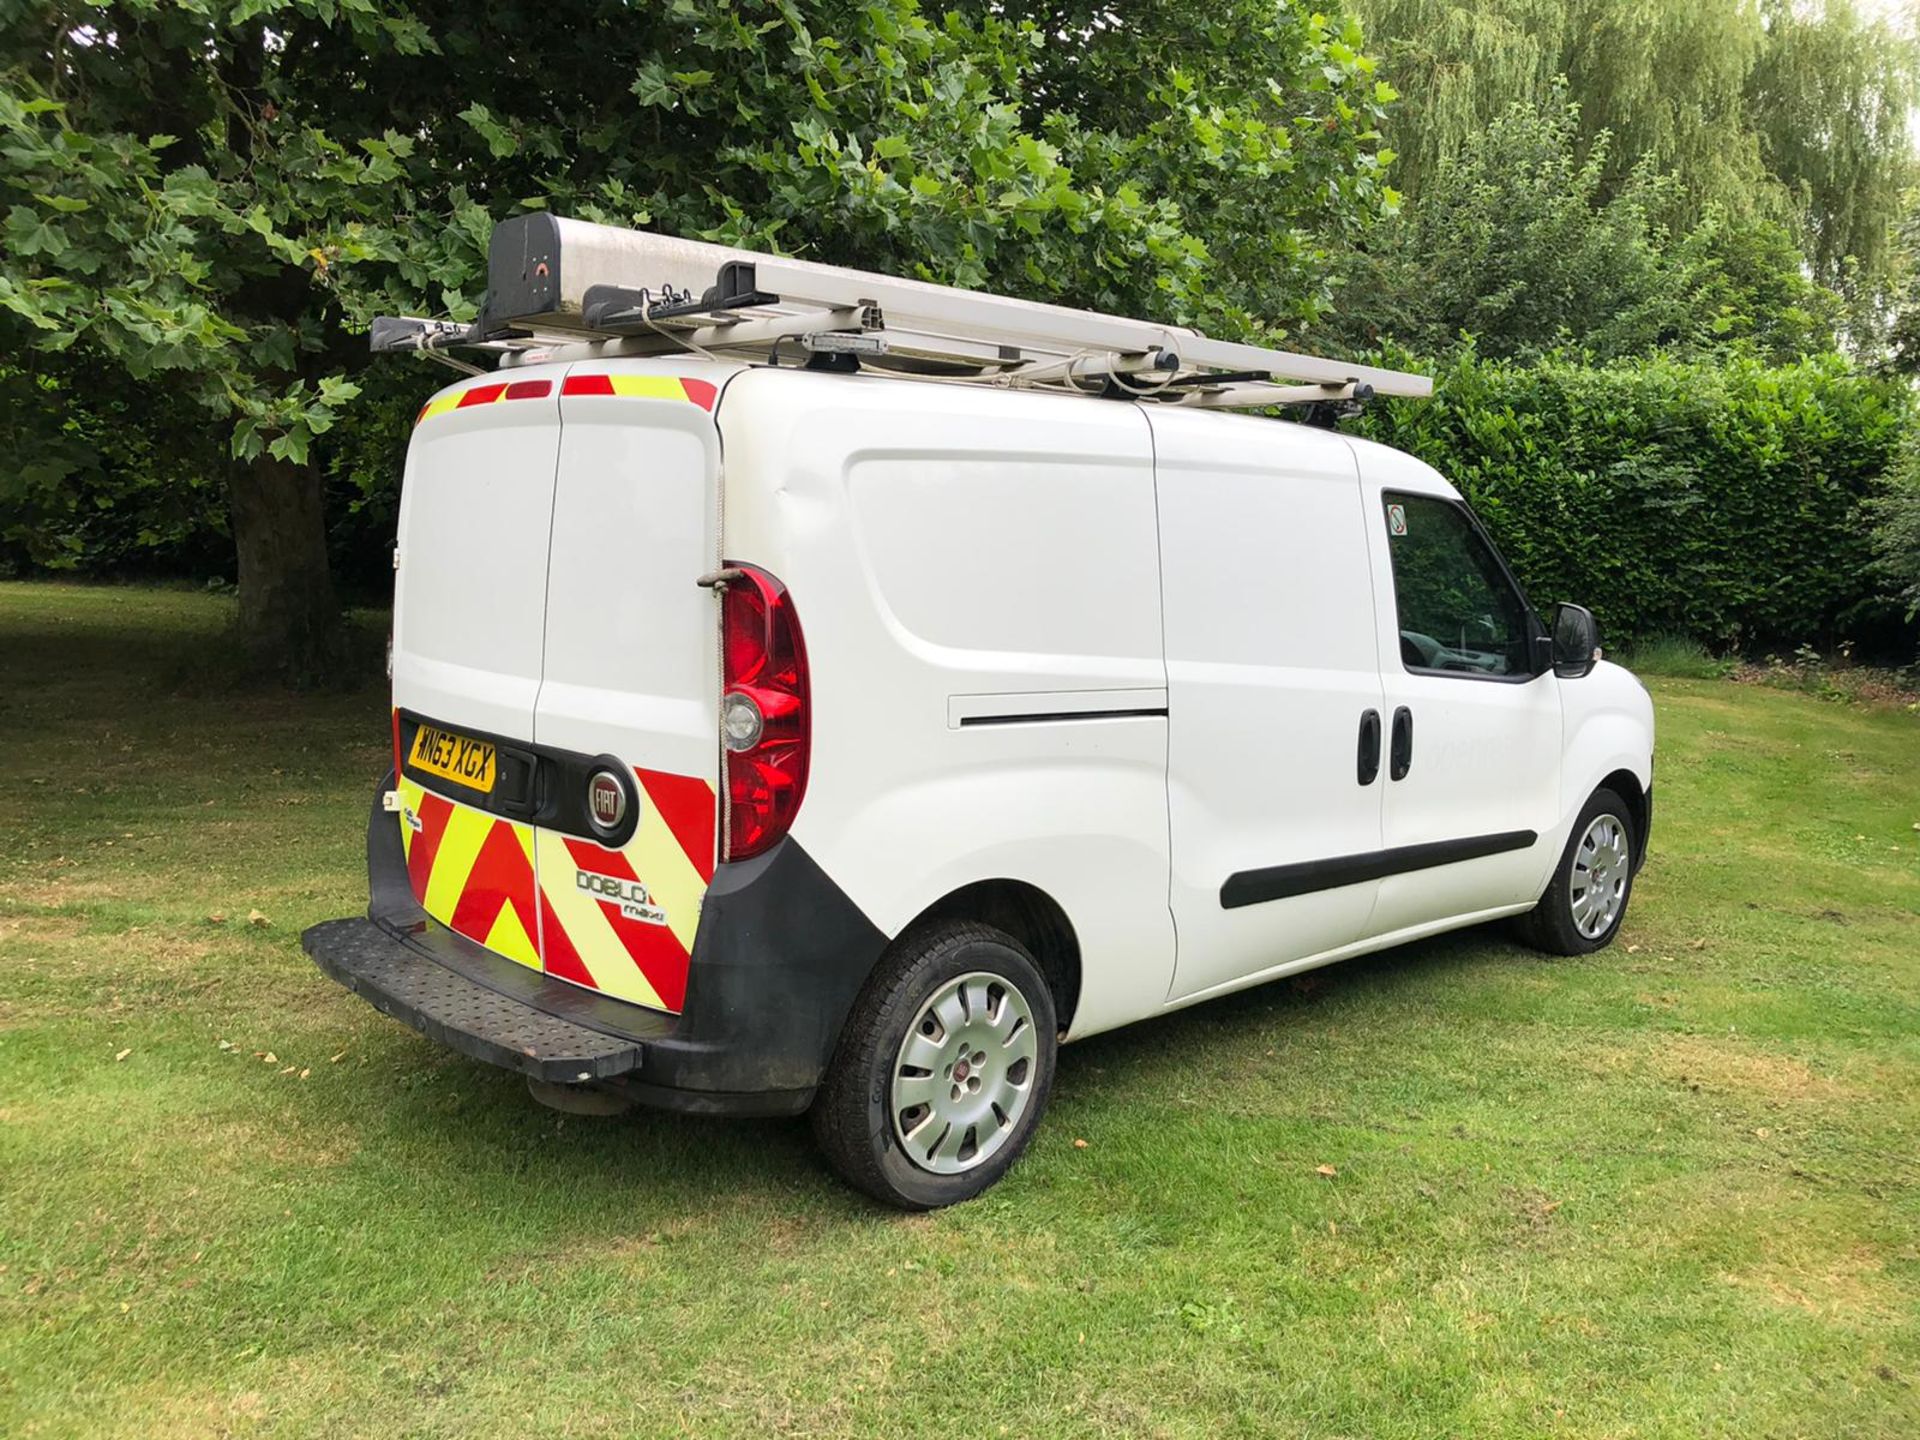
[[1673, 1189]]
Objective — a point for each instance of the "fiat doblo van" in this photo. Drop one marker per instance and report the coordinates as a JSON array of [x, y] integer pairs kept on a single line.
[[840, 726]]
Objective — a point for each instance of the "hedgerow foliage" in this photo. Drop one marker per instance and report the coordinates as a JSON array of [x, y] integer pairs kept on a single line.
[[1896, 538], [1728, 502]]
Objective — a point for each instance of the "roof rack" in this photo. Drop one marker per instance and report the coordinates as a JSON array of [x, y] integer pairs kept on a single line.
[[552, 281]]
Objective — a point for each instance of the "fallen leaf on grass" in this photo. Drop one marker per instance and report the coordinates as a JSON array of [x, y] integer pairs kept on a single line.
[[1079, 1144], [305, 1073], [123, 1054], [336, 1059], [266, 1055], [218, 917], [1326, 1170], [255, 918]]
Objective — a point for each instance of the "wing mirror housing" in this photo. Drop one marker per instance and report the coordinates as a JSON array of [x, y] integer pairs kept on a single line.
[[1576, 641]]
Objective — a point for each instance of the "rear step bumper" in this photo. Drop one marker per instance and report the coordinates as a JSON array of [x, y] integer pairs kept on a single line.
[[779, 957], [463, 1012]]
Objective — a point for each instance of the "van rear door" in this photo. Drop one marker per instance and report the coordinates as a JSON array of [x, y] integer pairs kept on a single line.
[[468, 629], [631, 679]]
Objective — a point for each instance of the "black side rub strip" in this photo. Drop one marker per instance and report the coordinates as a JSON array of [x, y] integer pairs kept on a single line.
[[1145, 713], [1277, 882]]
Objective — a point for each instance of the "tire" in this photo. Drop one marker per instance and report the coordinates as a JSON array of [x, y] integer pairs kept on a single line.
[[1564, 922], [886, 1121]]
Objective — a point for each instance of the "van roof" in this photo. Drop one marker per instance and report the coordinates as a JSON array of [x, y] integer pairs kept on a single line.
[[576, 362]]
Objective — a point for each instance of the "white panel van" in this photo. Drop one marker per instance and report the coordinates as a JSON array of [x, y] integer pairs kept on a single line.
[[771, 739]]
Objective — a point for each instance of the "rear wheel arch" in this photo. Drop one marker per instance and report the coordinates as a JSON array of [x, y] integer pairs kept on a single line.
[[1029, 915]]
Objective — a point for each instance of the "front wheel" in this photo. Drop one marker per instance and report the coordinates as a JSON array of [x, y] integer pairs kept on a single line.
[[1587, 899], [943, 1070]]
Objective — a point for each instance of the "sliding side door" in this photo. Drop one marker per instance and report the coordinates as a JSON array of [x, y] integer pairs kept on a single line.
[[1273, 692]]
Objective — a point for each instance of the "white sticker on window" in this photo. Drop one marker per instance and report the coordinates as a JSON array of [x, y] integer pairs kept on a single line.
[[1396, 519]]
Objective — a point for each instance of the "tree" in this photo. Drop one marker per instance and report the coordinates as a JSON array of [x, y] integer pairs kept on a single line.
[[1791, 111], [1903, 328], [160, 229], [211, 199], [1665, 82], [1746, 286], [1242, 112], [1518, 242], [1517, 246], [1833, 96]]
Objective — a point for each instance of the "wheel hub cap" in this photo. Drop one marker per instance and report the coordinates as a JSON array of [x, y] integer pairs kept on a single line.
[[964, 1074], [1597, 887]]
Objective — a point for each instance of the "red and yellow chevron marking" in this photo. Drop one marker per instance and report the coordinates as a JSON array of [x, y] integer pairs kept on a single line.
[[638, 950], [471, 871], [646, 387], [488, 394]]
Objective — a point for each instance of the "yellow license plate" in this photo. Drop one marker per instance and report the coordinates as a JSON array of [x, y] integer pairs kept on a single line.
[[453, 757]]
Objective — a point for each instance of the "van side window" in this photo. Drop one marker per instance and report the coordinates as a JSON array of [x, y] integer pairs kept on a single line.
[[1459, 614]]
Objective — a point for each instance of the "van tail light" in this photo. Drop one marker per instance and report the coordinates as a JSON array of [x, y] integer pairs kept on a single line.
[[765, 721]]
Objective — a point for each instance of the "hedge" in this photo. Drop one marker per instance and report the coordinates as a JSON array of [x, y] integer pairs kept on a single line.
[[1726, 502]]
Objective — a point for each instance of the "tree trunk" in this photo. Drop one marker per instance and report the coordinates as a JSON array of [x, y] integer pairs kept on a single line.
[[289, 622]]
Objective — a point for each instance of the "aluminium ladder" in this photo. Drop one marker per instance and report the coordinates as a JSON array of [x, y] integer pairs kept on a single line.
[[557, 282]]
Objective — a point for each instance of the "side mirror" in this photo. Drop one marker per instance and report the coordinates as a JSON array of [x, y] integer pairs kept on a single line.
[[1576, 641]]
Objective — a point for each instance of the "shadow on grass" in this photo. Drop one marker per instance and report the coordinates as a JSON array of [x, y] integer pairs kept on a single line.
[[463, 1128], [1238, 1019]]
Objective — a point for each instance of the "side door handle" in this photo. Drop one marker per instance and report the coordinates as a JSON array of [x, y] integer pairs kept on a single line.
[[1369, 766], [1402, 743]]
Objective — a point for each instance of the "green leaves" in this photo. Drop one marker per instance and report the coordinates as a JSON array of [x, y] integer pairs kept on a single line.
[[656, 85], [501, 143], [30, 234], [285, 425]]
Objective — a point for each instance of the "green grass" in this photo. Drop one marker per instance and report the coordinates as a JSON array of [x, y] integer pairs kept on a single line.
[[1669, 1190]]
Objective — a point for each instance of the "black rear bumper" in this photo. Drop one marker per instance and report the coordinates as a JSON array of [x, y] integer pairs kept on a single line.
[[779, 956], [467, 1009]]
